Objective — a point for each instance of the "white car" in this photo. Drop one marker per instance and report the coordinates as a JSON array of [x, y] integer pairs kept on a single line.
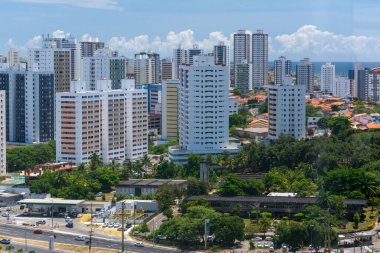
[[80, 238], [105, 225], [116, 225], [258, 239], [268, 238], [259, 245], [266, 244], [139, 244]]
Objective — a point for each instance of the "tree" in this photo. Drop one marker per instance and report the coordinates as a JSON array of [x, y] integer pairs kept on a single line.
[[227, 229], [356, 219], [231, 186], [237, 92], [192, 168], [291, 233], [237, 120], [167, 169], [263, 107], [196, 187], [10, 247], [168, 212], [95, 161], [166, 196], [265, 221], [144, 228]]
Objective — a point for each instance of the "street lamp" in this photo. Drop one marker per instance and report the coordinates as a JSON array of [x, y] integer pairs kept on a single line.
[[122, 225], [311, 236]]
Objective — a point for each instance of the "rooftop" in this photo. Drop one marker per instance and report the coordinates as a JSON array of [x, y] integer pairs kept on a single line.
[[151, 182], [51, 201]]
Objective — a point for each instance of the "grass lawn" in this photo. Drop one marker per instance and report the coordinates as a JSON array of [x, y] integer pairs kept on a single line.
[[367, 224]]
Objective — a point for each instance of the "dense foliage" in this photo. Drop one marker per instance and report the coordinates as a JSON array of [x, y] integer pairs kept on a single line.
[[20, 158]]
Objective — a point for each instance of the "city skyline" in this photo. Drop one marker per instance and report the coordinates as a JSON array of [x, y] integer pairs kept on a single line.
[[296, 29]]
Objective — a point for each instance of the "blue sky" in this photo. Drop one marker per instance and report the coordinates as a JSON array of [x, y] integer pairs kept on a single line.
[[320, 29]]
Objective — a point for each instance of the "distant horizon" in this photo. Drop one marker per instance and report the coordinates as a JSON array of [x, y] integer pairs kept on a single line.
[[296, 28]]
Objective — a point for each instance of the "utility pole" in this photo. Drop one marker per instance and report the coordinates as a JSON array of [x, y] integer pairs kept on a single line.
[[207, 228], [90, 242], [122, 225]]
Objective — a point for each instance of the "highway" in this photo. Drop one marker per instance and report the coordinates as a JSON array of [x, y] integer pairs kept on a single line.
[[19, 232]]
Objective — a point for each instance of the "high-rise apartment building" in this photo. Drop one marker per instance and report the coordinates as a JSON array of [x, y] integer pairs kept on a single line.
[[184, 57], [109, 122], [282, 68], [103, 65], [88, 48], [259, 59], [221, 55], [327, 77], [170, 109], [29, 105], [242, 48], [369, 84], [166, 69], [180, 57], [67, 42], [342, 87], [3, 132], [145, 67], [305, 74], [13, 57], [203, 110], [57, 60], [287, 110], [243, 78]]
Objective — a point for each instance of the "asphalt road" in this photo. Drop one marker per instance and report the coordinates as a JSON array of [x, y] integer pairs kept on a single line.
[[19, 232]]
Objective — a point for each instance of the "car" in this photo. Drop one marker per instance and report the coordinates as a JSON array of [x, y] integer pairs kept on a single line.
[[271, 249], [258, 239], [70, 225], [105, 225], [6, 214], [38, 232], [139, 244], [268, 238], [116, 225], [128, 225], [68, 218], [79, 238], [5, 241], [266, 244], [41, 222], [259, 245], [110, 225], [79, 215]]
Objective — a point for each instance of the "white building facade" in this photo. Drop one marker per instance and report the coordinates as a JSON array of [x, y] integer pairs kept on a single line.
[[112, 123], [342, 87], [287, 110], [327, 77], [203, 110]]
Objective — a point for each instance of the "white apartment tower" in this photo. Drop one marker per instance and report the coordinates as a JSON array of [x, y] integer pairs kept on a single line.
[[259, 59], [341, 87], [3, 144], [203, 110], [287, 110], [180, 56], [103, 65], [305, 74], [327, 77], [13, 57], [110, 122], [282, 68]]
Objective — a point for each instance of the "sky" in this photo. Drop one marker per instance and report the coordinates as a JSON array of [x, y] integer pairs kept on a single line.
[[323, 30]]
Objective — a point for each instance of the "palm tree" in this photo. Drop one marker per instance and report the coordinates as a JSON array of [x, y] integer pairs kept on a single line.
[[368, 184], [114, 165], [146, 163]]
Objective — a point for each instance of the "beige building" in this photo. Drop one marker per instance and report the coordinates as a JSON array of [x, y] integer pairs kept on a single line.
[[170, 109], [3, 163], [111, 123]]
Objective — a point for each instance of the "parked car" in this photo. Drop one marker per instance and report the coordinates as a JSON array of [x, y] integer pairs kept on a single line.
[[105, 225], [5, 241], [271, 249], [79, 215], [258, 239], [38, 231], [259, 245], [6, 214], [80, 238], [128, 225], [139, 244], [116, 225], [268, 238], [110, 225], [41, 222], [266, 244], [69, 225]]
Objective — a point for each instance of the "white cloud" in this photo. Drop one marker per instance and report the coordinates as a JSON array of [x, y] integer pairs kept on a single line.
[[324, 45], [91, 4], [307, 41], [184, 39]]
